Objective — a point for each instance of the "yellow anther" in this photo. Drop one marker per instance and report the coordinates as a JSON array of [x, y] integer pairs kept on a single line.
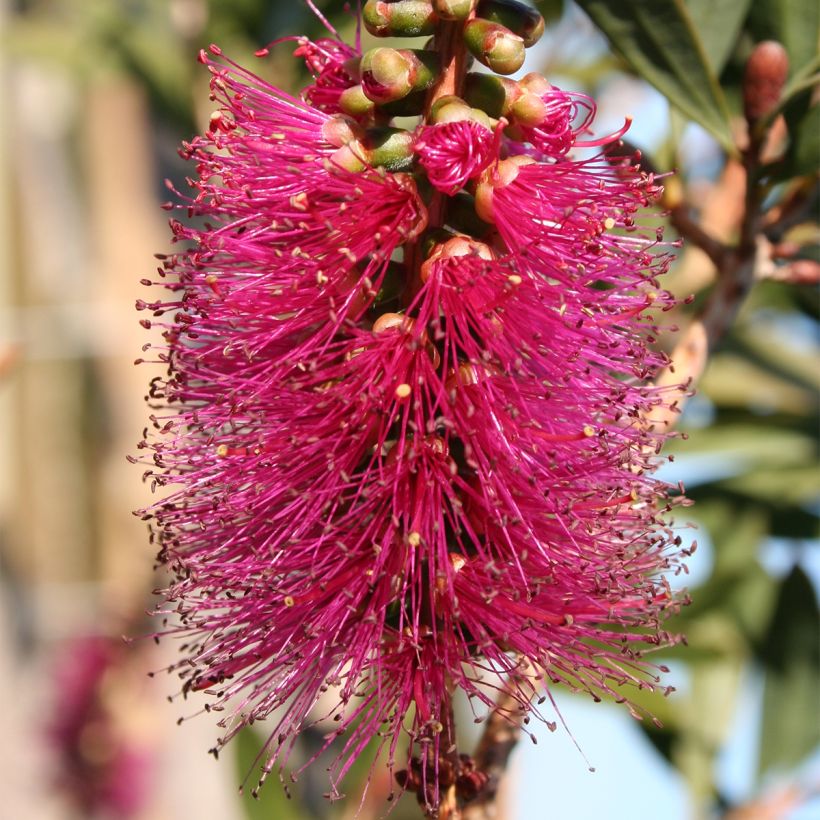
[[289, 601], [514, 279], [589, 430], [609, 223], [414, 539], [222, 450], [403, 391]]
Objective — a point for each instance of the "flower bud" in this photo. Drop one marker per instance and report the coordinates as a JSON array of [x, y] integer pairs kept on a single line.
[[351, 157], [454, 9], [354, 102], [400, 18], [493, 95], [529, 109], [449, 109], [520, 19], [390, 74], [390, 148], [535, 83], [393, 321], [497, 176], [454, 109], [339, 130], [766, 71], [457, 246], [494, 45]]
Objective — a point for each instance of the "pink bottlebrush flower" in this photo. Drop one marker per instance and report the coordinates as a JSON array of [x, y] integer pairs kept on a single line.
[[454, 152], [103, 771], [399, 459]]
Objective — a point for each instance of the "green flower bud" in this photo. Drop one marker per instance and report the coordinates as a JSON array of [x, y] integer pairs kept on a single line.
[[390, 148], [494, 95], [494, 45], [520, 19], [454, 9], [449, 109], [454, 109], [400, 18], [354, 102]]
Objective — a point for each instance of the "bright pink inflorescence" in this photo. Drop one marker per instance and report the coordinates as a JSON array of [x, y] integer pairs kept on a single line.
[[378, 493], [453, 153]]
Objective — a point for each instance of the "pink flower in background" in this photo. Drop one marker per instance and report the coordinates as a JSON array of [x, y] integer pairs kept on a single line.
[[398, 459], [99, 767]]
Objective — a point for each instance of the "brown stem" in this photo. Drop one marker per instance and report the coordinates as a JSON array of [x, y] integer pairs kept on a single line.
[[449, 808], [690, 230], [501, 735], [453, 53], [449, 44]]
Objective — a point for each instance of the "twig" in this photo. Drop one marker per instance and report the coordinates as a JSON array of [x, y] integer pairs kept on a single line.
[[501, 734], [690, 230]]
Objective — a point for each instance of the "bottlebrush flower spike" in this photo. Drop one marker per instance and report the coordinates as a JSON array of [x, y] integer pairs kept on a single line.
[[406, 451]]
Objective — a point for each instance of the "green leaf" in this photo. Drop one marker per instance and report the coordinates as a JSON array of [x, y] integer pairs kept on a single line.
[[551, 10], [734, 381], [660, 42], [752, 444], [803, 120], [718, 22], [791, 485], [791, 654], [794, 23], [784, 520], [272, 801]]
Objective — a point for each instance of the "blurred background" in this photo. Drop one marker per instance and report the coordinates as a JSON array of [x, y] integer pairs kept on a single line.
[[95, 96]]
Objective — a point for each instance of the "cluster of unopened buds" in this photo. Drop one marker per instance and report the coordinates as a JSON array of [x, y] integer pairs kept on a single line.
[[406, 427]]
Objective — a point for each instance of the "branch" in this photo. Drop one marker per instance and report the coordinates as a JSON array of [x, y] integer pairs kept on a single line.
[[501, 735]]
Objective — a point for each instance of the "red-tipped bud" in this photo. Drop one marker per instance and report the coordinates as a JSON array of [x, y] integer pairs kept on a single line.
[[520, 19], [400, 18], [454, 9], [389, 74], [494, 45], [766, 71]]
